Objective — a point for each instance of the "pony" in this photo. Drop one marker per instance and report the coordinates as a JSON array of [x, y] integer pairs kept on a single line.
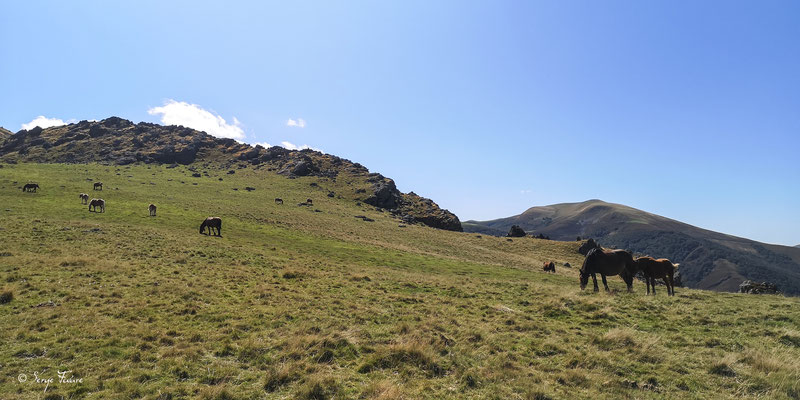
[[212, 223], [278, 200], [98, 186], [657, 269], [549, 267], [84, 198], [97, 203], [152, 208], [608, 262], [30, 187]]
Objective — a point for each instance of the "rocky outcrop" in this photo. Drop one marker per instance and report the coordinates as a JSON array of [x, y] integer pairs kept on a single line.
[[752, 287], [414, 208], [516, 231]]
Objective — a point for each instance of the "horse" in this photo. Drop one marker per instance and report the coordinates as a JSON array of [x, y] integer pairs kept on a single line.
[[98, 185], [657, 269], [97, 203], [84, 198], [549, 267], [211, 223], [152, 208], [278, 200], [309, 201], [608, 262], [30, 187]]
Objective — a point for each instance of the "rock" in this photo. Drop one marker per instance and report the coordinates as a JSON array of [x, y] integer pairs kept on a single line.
[[588, 246], [331, 194], [516, 231], [365, 218], [384, 195], [249, 189], [196, 175], [752, 287]]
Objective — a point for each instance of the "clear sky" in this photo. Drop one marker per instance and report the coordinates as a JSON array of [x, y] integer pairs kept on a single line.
[[687, 109]]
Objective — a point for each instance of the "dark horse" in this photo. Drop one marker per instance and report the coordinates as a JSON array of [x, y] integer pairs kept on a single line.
[[657, 269], [212, 223], [608, 262], [97, 203], [98, 186], [549, 267], [30, 187]]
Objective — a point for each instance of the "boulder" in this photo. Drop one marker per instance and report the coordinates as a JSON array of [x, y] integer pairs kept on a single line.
[[384, 195], [752, 287], [516, 231]]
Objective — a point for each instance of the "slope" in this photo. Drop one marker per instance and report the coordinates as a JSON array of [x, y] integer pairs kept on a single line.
[[314, 303]]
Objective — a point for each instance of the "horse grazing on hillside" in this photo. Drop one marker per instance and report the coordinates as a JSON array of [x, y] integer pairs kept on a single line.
[[549, 267], [84, 198], [97, 203], [278, 200], [212, 223], [30, 187], [657, 269], [608, 262], [152, 208], [98, 186]]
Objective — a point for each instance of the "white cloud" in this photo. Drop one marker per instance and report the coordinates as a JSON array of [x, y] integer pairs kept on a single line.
[[44, 122], [195, 117], [525, 191], [292, 146], [262, 144], [297, 123]]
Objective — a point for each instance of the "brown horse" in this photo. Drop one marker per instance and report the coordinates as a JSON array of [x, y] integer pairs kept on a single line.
[[97, 203], [657, 269], [98, 186], [30, 187], [607, 262], [152, 208], [212, 223], [84, 198], [549, 267]]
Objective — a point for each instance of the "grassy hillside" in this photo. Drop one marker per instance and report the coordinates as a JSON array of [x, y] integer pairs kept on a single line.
[[312, 302], [709, 260]]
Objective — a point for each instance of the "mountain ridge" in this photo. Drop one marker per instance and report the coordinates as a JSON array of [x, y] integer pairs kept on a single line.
[[119, 141], [709, 259]]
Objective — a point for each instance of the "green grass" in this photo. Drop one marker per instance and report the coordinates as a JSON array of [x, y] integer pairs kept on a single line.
[[293, 303]]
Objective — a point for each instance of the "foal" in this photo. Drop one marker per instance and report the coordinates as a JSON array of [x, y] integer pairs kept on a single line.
[[657, 269]]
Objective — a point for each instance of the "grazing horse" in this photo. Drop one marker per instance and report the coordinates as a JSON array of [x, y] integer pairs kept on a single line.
[[608, 262], [657, 269], [549, 267], [212, 223], [97, 203], [84, 198], [309, 201], [278, 200], [98, 186], [30, 187], [152, 208]]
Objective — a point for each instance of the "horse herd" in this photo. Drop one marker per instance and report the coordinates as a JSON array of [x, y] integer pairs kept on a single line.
[[214, 224], [621, 262], [597, 261]]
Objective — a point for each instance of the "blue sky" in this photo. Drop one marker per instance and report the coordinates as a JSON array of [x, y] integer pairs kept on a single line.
[[686, 109]]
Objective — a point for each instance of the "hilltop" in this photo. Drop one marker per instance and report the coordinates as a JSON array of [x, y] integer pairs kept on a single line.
[[4, 133], [709, 260], [121, 142]]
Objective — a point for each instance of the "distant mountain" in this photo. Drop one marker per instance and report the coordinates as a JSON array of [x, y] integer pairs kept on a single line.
[[118, 141], [709, 260]]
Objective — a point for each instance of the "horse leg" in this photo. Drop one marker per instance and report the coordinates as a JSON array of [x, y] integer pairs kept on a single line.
[[603, 276], [594, 279]]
